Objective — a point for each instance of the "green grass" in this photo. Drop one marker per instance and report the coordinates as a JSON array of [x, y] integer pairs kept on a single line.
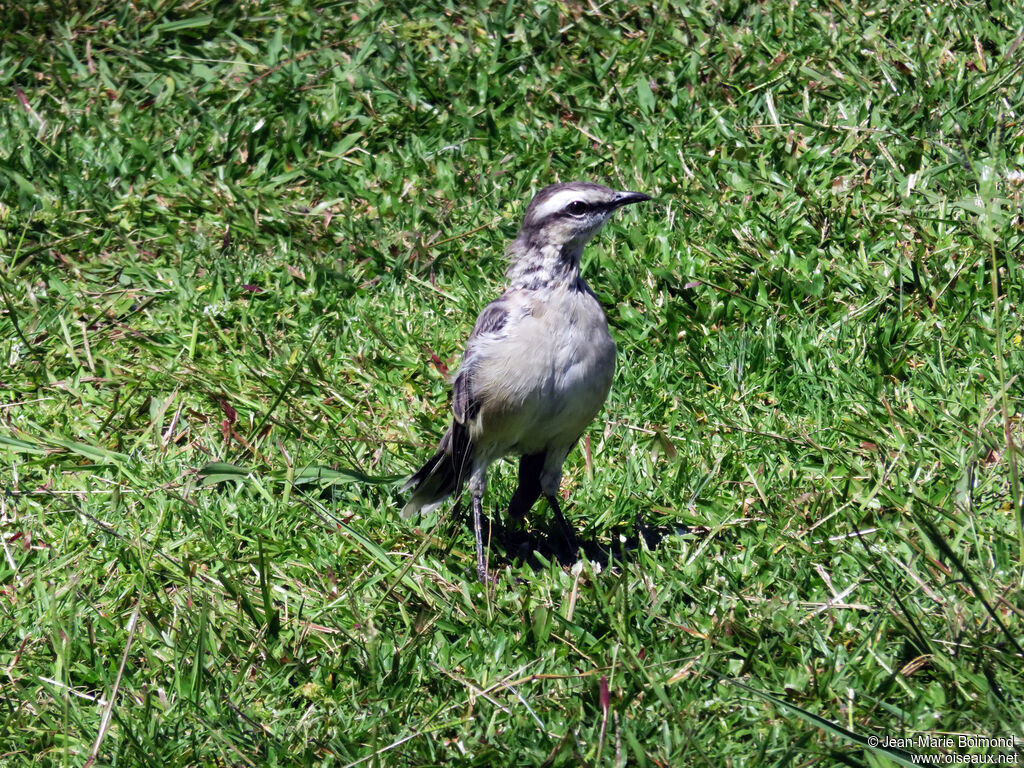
[[241, 243]]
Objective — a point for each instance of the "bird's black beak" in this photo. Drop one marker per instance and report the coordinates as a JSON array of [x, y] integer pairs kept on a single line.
[[625, 198]]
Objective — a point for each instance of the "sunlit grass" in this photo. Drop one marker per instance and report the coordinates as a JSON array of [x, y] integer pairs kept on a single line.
[[242, 246]]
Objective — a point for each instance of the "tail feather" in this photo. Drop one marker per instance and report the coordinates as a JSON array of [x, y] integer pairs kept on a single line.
[[444, 474]]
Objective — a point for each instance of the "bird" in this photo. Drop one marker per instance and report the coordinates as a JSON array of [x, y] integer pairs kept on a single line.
[[536, 368]]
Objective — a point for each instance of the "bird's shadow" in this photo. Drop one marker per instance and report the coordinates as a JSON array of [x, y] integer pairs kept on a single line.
[[518, 543]]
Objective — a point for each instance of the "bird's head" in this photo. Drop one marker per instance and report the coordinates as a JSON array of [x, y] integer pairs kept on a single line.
[[570, 214]]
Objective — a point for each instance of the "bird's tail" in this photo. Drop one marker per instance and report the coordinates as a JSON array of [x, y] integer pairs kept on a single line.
[[444, 474]]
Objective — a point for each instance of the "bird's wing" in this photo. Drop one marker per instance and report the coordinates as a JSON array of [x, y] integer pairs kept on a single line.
[[489, 324]]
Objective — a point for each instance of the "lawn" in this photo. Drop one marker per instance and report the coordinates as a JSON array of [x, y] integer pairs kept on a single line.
[[241, 244]]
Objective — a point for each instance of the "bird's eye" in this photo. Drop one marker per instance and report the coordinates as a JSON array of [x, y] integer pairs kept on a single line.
[[577, 208]]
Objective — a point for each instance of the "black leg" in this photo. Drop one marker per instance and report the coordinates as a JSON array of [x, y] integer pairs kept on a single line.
[[481, 564], [567, 531], [528, 489]]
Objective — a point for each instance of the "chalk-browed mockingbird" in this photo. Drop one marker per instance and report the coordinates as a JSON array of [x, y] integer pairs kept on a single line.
[[537, 366]]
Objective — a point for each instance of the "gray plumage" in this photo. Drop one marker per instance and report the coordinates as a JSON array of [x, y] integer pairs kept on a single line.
[[537, 367]]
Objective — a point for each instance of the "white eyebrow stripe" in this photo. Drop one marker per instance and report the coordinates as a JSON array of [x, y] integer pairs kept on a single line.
[[555, 203]]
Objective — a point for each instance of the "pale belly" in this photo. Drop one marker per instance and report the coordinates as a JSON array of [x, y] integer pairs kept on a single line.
[[552, 375]]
